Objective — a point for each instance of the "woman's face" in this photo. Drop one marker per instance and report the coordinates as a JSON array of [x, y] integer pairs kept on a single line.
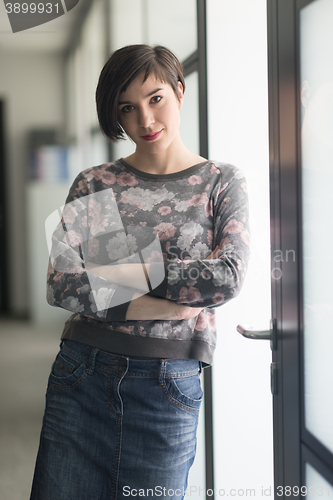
[[149, 114]]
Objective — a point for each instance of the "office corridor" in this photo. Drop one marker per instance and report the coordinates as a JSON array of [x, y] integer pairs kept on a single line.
[[26, 354]]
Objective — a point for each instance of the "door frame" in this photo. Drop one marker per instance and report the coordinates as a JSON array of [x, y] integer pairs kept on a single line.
[[283, 186], [294, 445], [4, 253]]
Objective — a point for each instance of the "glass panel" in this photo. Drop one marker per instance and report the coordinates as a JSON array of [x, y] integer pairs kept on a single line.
[[173, 24], [316, 485], [189, 114], [316, 95], [189, 131], [238, 134]]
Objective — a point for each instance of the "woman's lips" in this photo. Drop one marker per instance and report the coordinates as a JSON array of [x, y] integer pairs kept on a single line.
[[151, 137]]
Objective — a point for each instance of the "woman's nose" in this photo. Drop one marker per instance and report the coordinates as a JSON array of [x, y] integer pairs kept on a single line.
[[146, 118]]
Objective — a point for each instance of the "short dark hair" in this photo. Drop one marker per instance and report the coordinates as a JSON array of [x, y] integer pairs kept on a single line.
[[123, 66]]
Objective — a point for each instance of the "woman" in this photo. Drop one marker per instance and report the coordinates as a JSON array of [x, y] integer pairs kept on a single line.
[[149, 245]]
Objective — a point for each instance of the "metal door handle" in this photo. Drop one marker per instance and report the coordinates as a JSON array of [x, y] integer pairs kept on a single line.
[[260, 334]]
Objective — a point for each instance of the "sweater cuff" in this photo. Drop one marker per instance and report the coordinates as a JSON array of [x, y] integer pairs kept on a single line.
[[158, 279], [117, 313], [120, 303]]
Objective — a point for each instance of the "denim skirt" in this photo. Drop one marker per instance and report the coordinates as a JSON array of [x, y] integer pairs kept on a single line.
[[117, 427]]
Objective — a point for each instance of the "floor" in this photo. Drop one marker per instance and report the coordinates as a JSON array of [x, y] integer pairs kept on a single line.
[[26, 355]]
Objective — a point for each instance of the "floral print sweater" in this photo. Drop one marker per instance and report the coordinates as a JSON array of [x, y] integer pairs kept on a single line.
[[114, 214]]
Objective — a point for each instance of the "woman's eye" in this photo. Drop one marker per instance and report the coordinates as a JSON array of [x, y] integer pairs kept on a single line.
[[127, 109], [156, 98]]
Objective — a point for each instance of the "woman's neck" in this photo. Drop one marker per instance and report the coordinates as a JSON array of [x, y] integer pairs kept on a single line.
[[166, 162]]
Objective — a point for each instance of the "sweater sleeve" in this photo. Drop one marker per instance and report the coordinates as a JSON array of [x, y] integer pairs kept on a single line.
[[69, 284], [212, 281]]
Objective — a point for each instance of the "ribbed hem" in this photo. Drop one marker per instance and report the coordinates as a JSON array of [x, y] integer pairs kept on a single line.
[[130, 345]]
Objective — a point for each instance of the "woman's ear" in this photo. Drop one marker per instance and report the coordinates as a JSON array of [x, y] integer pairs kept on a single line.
[[180, 94]]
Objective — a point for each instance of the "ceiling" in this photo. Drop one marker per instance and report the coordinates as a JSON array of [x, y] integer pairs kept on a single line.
[[54, 36]]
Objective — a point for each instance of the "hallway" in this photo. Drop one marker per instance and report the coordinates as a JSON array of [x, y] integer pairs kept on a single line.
[[53, 90], [26, 354]]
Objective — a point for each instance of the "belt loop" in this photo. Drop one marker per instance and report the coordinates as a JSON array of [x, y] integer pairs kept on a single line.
[[161, 378], [123, 364], [200, 367], [92, 361]]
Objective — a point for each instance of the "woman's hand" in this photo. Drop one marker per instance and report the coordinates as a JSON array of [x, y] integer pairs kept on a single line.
[[145, 307], [186, 312]]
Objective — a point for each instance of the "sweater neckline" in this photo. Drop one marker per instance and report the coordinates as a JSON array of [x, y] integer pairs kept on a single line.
[[164, 177]]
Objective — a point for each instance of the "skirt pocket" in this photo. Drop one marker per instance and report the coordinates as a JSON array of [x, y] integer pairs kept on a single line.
[[185, 392], [67, 372]]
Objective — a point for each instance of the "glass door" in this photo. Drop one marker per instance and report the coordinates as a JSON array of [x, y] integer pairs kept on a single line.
[[238, 134], [301, 164], [316, 96]]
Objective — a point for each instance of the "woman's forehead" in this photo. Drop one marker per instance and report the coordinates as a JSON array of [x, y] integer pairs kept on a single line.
[[140, 86]]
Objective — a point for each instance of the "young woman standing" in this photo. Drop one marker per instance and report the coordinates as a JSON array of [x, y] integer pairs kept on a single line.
[[148, 246]]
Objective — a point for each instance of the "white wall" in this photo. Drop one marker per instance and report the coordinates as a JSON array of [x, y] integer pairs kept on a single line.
[[32, 86], [238, 134]]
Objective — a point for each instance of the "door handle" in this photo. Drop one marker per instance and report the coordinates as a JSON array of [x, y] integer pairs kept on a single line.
[[260, 334]]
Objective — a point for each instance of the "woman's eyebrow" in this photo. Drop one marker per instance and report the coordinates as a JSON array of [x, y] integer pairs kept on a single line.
[[120, 103], [153, 92]]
